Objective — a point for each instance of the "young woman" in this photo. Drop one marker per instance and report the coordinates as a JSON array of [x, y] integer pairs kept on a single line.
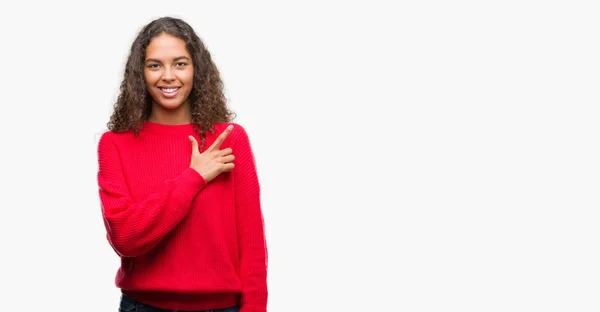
[[178, 183]]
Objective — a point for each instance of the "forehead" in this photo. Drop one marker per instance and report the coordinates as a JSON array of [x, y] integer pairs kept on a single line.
[[166, 46]]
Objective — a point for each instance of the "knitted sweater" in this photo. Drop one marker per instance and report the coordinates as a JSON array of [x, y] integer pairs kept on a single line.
[[184, 244]]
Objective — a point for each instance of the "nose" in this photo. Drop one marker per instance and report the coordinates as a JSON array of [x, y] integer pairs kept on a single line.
[[168, 74]]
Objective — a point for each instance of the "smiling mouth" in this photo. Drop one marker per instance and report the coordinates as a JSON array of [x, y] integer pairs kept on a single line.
[[169, 92]]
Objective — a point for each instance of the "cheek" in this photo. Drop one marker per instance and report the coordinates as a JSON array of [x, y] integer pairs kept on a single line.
[[152, 75], [148, 79], [188, 77]]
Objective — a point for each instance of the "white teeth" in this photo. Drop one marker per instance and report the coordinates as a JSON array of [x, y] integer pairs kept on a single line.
[[169, 90]]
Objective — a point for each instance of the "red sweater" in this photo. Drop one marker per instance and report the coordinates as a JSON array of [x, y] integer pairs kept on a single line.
[[184, 244]]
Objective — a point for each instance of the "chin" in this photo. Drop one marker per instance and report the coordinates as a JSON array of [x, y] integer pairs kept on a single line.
[[170, 105]]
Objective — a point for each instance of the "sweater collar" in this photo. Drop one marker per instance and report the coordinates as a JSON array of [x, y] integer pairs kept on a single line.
[[167, 129]]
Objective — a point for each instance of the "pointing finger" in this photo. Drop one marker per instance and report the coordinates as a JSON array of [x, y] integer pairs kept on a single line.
[[221, 138]]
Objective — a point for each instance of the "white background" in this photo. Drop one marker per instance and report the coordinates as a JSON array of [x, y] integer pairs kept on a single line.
[[427, 156]]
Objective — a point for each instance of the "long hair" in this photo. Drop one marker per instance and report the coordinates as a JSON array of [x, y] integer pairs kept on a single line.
[[207, 98]]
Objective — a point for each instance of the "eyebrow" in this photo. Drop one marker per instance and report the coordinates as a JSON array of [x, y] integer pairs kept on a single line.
[[179, 58]]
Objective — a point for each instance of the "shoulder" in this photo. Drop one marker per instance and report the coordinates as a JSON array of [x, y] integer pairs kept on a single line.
[[106, 138], [109, 138]]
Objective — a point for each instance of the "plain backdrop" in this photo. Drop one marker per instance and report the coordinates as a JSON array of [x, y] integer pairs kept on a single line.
[[413, 155]]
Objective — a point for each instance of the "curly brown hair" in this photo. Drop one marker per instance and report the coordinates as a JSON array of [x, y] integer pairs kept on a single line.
[[207, 99]]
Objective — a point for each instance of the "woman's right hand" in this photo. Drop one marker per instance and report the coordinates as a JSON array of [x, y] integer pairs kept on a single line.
[[213, 161]]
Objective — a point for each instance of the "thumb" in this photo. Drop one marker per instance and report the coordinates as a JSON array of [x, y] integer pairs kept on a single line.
[[194, 145]]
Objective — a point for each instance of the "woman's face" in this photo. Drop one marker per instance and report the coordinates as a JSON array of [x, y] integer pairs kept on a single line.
[[169, 72]]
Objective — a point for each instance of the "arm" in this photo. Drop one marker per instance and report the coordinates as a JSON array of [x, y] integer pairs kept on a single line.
[[133, 228], [251, 233]]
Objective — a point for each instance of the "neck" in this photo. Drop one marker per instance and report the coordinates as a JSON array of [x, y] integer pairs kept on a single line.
[[177, 116]]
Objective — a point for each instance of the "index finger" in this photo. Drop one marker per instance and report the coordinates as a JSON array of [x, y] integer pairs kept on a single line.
[[221, 138]]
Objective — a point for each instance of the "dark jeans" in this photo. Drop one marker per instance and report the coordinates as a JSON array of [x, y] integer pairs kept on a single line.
[[130, 305]]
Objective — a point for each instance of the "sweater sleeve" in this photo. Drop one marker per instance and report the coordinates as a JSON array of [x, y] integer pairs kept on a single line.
[[135, 227], [251, 233]]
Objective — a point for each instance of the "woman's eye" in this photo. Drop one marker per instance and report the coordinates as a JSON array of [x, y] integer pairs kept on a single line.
[[153, 66], [181, 64]]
